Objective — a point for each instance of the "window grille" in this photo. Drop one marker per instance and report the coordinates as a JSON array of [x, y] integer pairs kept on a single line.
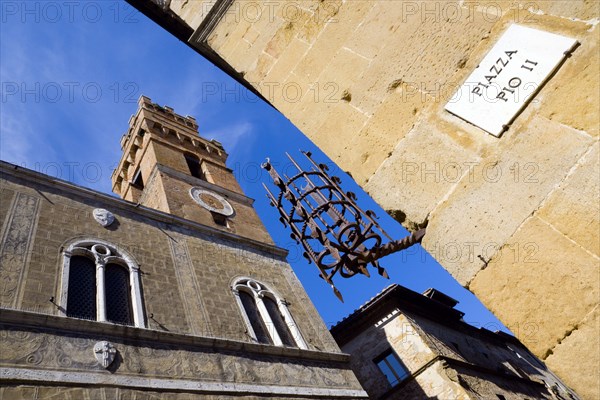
[[82, 288], [118, 303]]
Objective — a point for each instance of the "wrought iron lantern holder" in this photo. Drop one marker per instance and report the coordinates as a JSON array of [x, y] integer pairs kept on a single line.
[[336, 234]]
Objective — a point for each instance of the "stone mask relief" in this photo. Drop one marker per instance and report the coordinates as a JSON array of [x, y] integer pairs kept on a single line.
[[103, 217]]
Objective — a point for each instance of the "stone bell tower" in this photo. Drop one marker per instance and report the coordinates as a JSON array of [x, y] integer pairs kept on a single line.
[[167, 166]]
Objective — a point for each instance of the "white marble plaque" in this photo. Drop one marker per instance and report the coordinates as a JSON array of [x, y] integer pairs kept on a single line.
[[508, 77]]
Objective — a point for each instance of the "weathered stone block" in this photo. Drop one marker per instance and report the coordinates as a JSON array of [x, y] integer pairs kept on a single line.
[[437, 65], [585, 10], [301, 95], [573, 91], [286, 62], [192, 12], [577, 357], [220, 36], [532, 283], [403, 57], [283, 37], [345, 121], [290, 101], [238, 57], [228, 35], [332, 38], [320, 97], [392, 120], [373, 33], [423, 168], [499, 193], [573, 208], [523, 11], [263, 65], [345, 68]]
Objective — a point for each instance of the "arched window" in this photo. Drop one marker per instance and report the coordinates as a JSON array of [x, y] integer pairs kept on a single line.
[[266, 315], [101, 282]]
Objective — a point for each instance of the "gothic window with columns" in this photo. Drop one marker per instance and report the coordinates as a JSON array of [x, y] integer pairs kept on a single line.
[[266, 315], [101, 282]]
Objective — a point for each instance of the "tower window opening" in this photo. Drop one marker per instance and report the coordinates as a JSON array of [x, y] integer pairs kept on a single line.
[[138, 181], [193, 163], [219, 219]]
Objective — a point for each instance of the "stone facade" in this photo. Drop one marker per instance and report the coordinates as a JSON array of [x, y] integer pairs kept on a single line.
[[441, 355], [367, 81], [192, 339]]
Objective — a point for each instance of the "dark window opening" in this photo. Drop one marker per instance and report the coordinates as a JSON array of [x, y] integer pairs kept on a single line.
[[81, 300], [118, 299], [500, 397], [219, 219], [392, 367], [279, 322], [138, 182], [141, 132], [193, 163], [260, 330], [457, 348]]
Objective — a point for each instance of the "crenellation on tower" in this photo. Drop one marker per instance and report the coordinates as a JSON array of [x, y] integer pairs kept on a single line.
[[168, 166]]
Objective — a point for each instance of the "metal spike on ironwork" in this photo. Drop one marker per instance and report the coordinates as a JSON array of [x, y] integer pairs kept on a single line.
[[336, 234]]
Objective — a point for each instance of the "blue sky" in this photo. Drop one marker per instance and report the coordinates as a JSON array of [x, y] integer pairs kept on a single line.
[[71, 74]]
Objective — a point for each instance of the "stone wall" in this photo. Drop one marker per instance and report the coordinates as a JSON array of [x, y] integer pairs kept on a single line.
[[159, 363], [195, 339], [414, 352], [514, 219], [20, 392]]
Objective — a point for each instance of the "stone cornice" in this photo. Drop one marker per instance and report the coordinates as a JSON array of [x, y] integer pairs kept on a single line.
[[124, 205], [37, 376], [211, 20], [69, 325]]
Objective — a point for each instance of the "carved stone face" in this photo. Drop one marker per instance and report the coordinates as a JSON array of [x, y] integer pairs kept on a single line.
[[105, 353], [103, 217]]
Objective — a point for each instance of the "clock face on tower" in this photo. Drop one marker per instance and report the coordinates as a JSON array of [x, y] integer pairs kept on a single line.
[[211, 201]]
